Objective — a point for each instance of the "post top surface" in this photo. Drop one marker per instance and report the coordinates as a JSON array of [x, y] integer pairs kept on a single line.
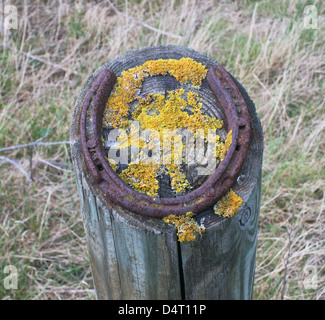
[[220, 96]]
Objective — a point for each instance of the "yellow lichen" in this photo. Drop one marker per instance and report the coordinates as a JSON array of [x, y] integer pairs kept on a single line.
[[226, 146], [228, 205], [112, 163], [168, 113], [142, 177], [160, 112], [186, 226], [178, 179], [117, 107], [192, 98]]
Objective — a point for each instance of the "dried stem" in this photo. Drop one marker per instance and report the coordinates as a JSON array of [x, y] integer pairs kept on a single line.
[[18, 166], [54, 165], [35, 143], [142, 23], [33, 57]]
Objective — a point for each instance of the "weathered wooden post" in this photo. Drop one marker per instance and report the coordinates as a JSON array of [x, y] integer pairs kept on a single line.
[[134, 253]]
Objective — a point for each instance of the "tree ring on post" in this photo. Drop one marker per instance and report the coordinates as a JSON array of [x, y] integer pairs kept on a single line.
[[205, 196]]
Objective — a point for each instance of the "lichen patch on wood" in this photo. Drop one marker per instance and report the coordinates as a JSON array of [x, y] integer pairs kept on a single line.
[[187, 227], [228, 205], [176, 110]]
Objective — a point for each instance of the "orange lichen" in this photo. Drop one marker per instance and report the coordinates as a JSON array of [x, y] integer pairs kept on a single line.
[[228, 205], [186, 226]]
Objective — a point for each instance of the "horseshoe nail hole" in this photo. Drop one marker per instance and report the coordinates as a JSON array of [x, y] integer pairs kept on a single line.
[[237, 147], [241, 179], [245, 217], [242, 127], [100, 167]]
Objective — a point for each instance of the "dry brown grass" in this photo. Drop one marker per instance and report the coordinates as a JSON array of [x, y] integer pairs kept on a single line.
[[58, 44]]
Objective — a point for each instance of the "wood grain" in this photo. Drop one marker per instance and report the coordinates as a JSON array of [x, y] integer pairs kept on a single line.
[[133, 257]]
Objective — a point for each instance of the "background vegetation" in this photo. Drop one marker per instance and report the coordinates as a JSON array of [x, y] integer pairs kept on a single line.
[[58, 44]]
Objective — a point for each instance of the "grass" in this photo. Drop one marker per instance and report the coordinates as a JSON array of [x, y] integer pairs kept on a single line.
[[58, 45]]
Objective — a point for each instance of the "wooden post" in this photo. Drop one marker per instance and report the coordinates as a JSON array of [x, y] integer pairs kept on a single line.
[[137, 257]]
